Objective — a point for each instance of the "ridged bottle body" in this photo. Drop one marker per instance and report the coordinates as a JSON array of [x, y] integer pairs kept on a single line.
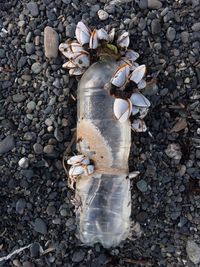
[[104, 213]]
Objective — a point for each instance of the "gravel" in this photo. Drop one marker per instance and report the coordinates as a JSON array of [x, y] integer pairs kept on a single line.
[[38, 118]]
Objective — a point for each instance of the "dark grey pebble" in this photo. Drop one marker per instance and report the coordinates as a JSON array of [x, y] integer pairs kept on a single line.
[[2, 53], [70, 30], [142, 185], [21, 62], [58, 135], [33, 8], [78, 256], [196, 27], [185, 37], [36, 67], [38, 148], [155, 26], [143, 4], [17, 98], [66, 1], [30, 48], [35, 250], [40, 226], [7, 144], [171, 34], [154, 4], [20, 206], [28, 264]]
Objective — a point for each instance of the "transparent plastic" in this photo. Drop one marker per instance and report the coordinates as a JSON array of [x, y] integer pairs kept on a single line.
[[105, 200]]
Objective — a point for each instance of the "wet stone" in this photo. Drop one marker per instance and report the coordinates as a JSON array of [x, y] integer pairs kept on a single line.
[[171, 34], [7, 144], [36, 68], [78, 256], [40, 226], [35, 250], [33, 8]]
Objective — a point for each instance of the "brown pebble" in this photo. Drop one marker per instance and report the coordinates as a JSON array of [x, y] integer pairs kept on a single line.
[[51, 42]]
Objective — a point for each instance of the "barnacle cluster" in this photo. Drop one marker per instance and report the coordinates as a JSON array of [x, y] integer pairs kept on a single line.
[[88, 47]]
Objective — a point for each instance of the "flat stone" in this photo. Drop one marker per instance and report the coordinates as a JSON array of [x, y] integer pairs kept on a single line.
[[154, 4], [30, 48], [7, 144], [155, 26], [78, 256], [143, 4], [33, 8], [36, 68], [142, 186], [51, 42], [171, 34], [17, 98], [70, 30], [35, 250], [31, 105], [193, 251], [185, 37], [196, 27], [20, 206], [38, 148], [40, 226]]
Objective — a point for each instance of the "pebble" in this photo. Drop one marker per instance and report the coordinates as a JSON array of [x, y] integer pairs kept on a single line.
[[103, 15], [35, 250], [20, 206], [70, 30], [48, 122], [7, 144], [48, 149], [185, 37], [155, 26], [17, 263], [51, 42], [18, 98], [78, 256], [143, 4], [38, 148], [31, 105], [40, 226], [174, 151], [33, 8], [23, 163], [28, 264], [58, 135], [142, 186], [30, 48], [51, 210], [171, 34], [154, 4], [36, 67], [66, 1], [196, 27], [193, 251], [21, 23]]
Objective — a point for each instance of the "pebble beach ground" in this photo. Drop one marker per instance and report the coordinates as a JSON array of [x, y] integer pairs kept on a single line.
[[38, 117]]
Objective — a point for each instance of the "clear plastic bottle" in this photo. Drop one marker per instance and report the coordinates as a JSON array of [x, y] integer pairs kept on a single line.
[[104, 212]]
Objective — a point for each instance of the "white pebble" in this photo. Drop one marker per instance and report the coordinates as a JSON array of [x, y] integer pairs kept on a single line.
[[23, 163], [103, 15]]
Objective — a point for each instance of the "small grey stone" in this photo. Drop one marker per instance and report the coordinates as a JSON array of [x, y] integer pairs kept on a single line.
[[66, 1], [20, 206], [21, 62], [40, 226], [30, 136], [142, 185], [51, 210], [31, 105], [198, 153], [63, 212], [51, 42], [48, 149], [58, 135], [155, 26], [17, 98], [143, 4], [185, 37], [36, 68], [7, 144], [21, 23], [174, 151], [103, 15], [17, 263], [48, 122], [70, 30], [171, 34], [38, 148], [196, 27], [33, 8], [193, 251], [2, 53], [30, 48], [28, 264], [23, 163], [26, 77], [78, 256], [35, 250], [154, 4]]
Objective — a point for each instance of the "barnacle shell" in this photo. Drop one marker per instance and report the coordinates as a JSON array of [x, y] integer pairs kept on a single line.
[[82, 33], [139, 100], [93, 40], [123, 40], [102, 34], [122, 109], [78, 159], [139, 126], [138, 74], [121, 75]]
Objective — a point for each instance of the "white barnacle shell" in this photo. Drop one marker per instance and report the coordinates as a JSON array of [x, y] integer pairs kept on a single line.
[[131, 55], [93, 40], [139, 126], [82, 33], [138, 74], [123, 40], [82, 60], [143, 112], [102, 34], [142, 84], [76, 47], [139, 100], [78, 159], [76, 170], [121, 75], [111, 35], [69, 65], [76, 71], [135, 110], [89, 169], [122, 109]]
